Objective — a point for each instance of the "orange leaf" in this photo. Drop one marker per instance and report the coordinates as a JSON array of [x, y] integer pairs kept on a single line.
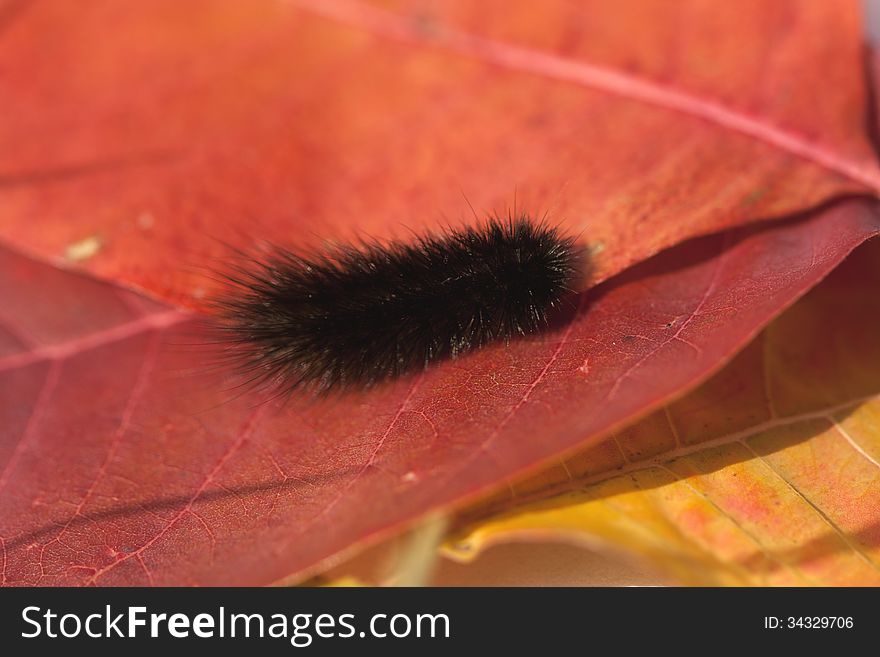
[[769, 473], [152, 130]]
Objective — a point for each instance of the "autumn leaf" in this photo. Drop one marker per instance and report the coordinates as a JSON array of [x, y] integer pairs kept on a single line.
[[769, 473], [153, 132], [126, 461], [136, 138]]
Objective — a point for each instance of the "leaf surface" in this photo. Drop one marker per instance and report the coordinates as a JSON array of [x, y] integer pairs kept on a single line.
[[769, 473], [138, 138], [124, 459]]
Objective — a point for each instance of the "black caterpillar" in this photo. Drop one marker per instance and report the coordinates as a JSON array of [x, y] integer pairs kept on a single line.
[[358, 315]]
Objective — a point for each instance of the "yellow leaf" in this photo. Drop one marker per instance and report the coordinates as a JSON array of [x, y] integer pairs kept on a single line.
[[767, 474]]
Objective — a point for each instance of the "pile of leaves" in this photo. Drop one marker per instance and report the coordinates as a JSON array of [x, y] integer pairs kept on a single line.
[[712, 405]]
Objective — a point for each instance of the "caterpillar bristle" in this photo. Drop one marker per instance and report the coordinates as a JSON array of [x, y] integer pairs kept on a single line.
[[355, 316]]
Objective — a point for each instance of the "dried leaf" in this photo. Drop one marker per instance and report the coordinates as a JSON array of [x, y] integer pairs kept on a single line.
[[769, 473]]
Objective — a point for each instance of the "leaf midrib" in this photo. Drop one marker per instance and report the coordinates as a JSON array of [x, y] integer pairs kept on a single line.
[[627, 85]]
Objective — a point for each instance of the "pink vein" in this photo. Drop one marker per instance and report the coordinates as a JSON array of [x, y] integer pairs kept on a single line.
[[524, 398], [719, 265], [372, 458], [64, 350], [244, 434], [626, 85], [48, 388], [538, 379], [17, 334], [134, 398]]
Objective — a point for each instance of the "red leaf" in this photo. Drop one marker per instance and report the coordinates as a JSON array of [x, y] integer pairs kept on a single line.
[[118, 467], [135, 134], [152, 129]]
